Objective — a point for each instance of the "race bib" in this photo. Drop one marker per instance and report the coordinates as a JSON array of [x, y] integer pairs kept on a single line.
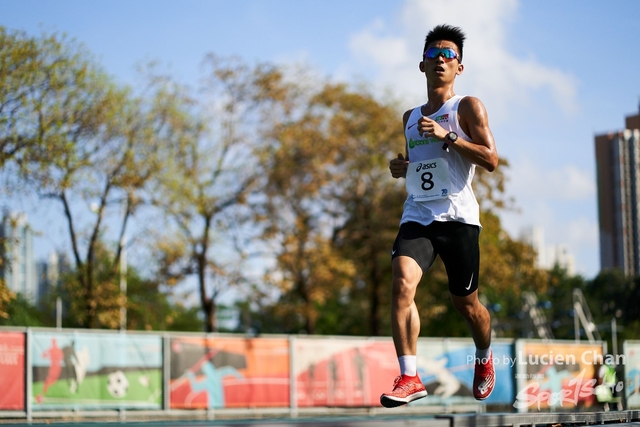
[[428, 180]]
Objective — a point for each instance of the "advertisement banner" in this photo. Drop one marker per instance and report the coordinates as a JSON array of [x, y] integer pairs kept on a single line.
[[631, 350], [84, 370], [228, 372], [446, 369], [342, 371], [557, 375], [12, 371]]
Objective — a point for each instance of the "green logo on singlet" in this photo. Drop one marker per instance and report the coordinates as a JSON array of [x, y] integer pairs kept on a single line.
[[415, 143]]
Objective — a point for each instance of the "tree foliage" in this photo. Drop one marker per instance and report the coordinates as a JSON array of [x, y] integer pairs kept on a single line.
[[207, 178], [6, 296], [80, 140], [149, 305], [39, 104], [20, 312], [325, 155], [612, 295], [107, 171]]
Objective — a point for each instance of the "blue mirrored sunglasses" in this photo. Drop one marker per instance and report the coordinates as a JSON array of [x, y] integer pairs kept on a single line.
[[447, 54]]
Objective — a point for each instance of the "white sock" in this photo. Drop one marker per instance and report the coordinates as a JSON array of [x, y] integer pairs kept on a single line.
[[408, 365], [483, 355]]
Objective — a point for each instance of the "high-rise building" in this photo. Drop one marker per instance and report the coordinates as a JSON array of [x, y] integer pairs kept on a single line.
[[18, 269], [561, 256], [48, 275], [534, 235], [618, 177], [548, 256]]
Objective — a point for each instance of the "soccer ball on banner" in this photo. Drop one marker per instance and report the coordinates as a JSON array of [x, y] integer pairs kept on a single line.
[[117, 384]]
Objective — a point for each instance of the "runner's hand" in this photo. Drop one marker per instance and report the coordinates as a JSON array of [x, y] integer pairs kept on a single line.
[[428, 127], [398, 166]]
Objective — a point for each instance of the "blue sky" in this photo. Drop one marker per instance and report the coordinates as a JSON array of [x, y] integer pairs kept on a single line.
[[552, 74]]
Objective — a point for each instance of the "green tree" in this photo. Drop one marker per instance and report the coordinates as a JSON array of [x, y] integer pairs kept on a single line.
[[83, 142], [366, 133], [45, 97], [612, 295], [325, 158], [149, 304], [6, 296], [44, 91], [108, 173], [207, 179], [20, 312], [560, 296]]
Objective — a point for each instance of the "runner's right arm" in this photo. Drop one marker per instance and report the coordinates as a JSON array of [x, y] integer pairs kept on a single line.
[[398, 166]]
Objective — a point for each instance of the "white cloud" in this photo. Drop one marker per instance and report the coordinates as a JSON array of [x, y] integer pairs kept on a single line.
[[382, 51], [493, 72], [567, 183]]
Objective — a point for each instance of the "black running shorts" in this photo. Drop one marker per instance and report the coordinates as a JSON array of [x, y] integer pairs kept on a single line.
[[455, 242]]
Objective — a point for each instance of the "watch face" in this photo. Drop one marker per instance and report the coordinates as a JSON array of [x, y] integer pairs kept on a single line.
[[452, 136]]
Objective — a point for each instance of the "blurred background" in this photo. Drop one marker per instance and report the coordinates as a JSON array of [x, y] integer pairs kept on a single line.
[[222, 166]]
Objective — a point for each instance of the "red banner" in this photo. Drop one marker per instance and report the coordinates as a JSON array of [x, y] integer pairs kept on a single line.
[[12, 371], [343, 372]]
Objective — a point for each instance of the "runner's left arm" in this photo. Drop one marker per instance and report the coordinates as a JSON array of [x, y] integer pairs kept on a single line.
[[474, 121]]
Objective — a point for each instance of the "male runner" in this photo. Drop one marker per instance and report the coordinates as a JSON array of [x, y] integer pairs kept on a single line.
[[445, 139]]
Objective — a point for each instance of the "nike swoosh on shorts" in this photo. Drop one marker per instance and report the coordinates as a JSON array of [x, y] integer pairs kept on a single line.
[[467, 288]]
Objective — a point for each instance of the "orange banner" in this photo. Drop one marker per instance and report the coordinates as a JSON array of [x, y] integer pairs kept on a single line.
[[227, 372]]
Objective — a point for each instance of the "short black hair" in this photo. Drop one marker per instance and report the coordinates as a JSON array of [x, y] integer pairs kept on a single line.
[[448, 33]]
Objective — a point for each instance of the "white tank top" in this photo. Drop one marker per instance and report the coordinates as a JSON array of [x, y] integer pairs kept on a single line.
[[461, 204]]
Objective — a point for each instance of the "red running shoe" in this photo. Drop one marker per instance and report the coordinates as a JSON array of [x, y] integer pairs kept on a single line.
[[484, 378], [405, 389]]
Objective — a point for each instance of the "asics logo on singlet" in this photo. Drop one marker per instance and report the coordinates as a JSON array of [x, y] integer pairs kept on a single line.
[[425, 166], [415, 142]]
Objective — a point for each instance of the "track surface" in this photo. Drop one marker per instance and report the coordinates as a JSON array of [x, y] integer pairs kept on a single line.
[[537, 419]]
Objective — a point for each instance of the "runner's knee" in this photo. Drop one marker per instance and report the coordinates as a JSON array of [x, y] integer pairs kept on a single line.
[[471, 310], [403, 291]]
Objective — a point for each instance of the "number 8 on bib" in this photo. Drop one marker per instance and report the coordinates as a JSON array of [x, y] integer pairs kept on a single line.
[[428, 180]]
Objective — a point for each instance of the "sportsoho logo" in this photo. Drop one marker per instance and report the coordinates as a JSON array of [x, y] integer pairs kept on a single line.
[[576, 389]]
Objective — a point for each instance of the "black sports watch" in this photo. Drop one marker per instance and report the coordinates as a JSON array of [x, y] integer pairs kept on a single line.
[[451, 137]]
